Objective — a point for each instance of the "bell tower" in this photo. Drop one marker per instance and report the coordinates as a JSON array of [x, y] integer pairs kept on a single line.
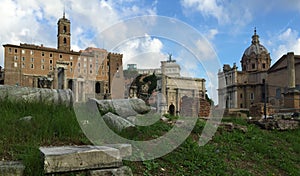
[[64, 34]]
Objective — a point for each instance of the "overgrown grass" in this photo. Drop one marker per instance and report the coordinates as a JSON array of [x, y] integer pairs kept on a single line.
[[50, 126], [256, 152]]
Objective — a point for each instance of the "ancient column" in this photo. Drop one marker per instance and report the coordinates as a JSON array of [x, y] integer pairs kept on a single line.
[[291, 70]]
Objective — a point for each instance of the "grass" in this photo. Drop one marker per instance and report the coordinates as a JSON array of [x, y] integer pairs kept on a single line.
[[50, 125], [256, 152]]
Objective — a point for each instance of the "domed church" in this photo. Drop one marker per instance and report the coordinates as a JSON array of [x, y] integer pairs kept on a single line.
[[259, 82]]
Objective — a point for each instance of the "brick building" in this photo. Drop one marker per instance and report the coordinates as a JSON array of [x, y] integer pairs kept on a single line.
[[89, 72]]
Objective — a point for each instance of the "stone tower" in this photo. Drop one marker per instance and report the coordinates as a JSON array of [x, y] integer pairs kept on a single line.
[[64, 34], [256, 57]]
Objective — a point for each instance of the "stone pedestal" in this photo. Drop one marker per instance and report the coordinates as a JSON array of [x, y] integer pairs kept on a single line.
[[11, 168]]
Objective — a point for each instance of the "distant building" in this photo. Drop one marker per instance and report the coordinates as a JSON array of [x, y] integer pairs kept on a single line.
[[241, 89], [284, 83], [258, 82], [170, 67], [87, 73], [181, 93]]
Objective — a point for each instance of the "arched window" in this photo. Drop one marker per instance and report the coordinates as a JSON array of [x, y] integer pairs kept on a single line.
[[65, 29], [65, 41], [97, 88]]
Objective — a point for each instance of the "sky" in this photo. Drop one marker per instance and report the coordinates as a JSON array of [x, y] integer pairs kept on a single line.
[[201, 35]]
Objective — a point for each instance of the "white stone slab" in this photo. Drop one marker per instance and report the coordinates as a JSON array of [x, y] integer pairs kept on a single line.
[[76, 158]]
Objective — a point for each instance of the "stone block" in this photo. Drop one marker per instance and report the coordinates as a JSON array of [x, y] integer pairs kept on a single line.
[[122, 171], [76, 158], [125, 149], [11, 168], [116, 122]]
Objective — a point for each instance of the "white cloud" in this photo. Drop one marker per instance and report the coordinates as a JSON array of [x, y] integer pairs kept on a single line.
[[34, 21], [224, 12], [288, 41], [146, 52], [212, 33], [207, 8]]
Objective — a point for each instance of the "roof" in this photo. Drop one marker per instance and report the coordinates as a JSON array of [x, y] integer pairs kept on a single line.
[[40, 47], [282, 64]]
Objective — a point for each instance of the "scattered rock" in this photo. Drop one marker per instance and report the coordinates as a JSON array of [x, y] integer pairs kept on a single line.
[[116, 122], [229, 126], [164, 119], [277, 124], [27, 118], [122, 107], [121, 171]]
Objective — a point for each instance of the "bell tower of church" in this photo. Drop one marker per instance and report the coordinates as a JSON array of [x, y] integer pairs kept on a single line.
[[64, 34]]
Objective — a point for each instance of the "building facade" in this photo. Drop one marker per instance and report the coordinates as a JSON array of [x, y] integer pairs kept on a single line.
[[183, 94], [88, 73], [241, 89], [258, 82], [284, 83]]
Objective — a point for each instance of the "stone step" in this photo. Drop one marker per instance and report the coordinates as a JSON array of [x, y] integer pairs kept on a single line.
[[76, 158], [11, 168]]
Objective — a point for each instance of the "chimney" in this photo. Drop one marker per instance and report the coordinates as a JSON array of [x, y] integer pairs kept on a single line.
[[291, 70]]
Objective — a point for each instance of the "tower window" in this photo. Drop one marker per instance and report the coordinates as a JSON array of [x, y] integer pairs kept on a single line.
[[16, 50], [60, 56], [264, 65], [65, 41], [43, 54], [50, 61], [50, 55], [253, 66], [65, 29]]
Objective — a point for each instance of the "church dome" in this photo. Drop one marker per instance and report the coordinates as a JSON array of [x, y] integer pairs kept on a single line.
[[255, 47], [256, 57]]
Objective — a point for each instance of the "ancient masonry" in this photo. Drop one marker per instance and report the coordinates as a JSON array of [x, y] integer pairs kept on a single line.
[[88, 73]]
